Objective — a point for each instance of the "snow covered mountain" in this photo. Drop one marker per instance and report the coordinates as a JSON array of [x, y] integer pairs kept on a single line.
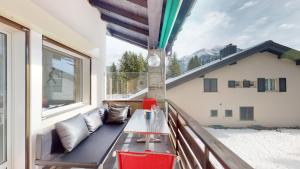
[[204, 55]]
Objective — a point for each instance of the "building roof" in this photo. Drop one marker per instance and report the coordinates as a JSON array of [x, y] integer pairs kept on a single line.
[[149, 24], [269, 46]]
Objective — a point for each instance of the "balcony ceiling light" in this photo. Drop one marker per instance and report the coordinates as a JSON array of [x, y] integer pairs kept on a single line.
[[153, 60]]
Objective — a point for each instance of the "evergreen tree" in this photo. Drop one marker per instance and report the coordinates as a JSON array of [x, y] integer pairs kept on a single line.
[[143, 63], [173, 67], [113, 67], [131, 62], [114, 78], [131, 65], [193, 63]]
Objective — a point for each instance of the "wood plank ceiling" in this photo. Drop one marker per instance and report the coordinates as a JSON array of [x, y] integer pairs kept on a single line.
[[135, 21]]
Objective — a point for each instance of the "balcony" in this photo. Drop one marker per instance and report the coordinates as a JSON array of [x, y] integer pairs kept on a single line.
[[188, 140], [53, 72]]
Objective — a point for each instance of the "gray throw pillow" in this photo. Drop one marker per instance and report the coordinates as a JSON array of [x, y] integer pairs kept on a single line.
[[93, 120], [117, 115], [116, 105], [72, 131]]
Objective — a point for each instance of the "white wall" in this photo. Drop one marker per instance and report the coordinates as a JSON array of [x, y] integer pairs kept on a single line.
[[73, 23], [87, 23], [18, 99], [271, 109], [59, 24], [35, 87]]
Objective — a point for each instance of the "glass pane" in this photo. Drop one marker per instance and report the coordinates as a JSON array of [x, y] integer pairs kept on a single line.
[[3, 112], [125, 85], [267, 84], [272, 84], [62, 76]]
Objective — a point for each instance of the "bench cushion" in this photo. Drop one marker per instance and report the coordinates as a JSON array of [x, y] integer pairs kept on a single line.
[[94, 149], [72, 131]]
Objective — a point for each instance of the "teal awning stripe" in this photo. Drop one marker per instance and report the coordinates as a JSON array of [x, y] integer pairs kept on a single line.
[[165, 22], [171, 12]]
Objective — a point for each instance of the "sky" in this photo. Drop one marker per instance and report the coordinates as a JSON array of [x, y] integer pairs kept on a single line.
[[220, 22]]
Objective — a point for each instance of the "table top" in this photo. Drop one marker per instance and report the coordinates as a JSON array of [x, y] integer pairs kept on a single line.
[[155, 125]]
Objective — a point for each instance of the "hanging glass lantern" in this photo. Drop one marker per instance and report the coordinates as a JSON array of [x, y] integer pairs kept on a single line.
[[154, 60]]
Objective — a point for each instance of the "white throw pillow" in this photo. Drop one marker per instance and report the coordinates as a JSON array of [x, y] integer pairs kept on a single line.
[[72, 131], [93, 121]]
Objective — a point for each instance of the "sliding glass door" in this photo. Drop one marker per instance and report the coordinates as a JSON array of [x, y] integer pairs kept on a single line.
[[3, 101]]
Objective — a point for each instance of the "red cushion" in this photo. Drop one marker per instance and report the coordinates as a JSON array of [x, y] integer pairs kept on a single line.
[[145, 160], [148, 102]]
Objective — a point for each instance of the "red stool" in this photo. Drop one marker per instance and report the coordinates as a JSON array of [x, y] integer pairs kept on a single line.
[[148, 102]]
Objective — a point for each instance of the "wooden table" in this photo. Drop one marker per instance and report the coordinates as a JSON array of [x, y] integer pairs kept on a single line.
[[156, 125]]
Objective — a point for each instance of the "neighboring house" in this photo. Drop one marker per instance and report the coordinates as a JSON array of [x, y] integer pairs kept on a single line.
[[257, 86]]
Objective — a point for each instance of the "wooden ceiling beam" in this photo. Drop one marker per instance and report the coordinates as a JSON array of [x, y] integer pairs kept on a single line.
[[130, 39], [155, 9], [142, 3], [119, 11], [124, 24]]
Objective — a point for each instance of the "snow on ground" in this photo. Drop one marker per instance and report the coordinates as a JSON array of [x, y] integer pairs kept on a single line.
[[263, 149]]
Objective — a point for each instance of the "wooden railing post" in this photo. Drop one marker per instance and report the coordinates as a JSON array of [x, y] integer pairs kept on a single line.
[[189, 133], [206, 158], [177, 132]]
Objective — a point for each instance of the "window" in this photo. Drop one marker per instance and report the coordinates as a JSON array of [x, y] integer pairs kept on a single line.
[[228, 113], [270, 84], [274, 85], [210, 85], [246, 113], [282, 84], [261, 86], [214, 113], [238, 84], [63, 80], [3, 98], [246, 83], [231, 84]]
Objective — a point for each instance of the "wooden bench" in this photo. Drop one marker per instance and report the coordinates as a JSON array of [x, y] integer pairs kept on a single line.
[[90, 153]]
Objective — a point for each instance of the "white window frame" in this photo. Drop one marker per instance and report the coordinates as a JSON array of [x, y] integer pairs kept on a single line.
[[9, 100], [63, 109]]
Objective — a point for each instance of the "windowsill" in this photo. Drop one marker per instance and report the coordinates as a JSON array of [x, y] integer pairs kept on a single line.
[[59, 110]]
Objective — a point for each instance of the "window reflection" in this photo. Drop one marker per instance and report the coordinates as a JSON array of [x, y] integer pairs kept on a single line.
[[62, 79]]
